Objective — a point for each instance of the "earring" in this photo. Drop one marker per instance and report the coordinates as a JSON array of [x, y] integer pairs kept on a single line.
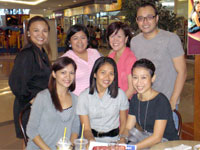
[[28, 34]]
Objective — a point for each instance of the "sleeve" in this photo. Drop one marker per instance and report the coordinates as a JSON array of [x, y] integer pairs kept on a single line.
[[164, 109], [132, 105], [82, 105], [124, 104], [35, 116], [129, 62], [20, 75], [111, 55], [66, 54], [95, 54], [76, 122], [175, 46]]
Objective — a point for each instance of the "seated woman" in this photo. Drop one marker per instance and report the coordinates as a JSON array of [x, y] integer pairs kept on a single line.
[[194, 21], [103, 104], [54, 109], [149, 108]]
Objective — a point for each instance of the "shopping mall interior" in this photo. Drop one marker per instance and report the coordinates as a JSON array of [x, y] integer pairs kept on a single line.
[[62, 14]]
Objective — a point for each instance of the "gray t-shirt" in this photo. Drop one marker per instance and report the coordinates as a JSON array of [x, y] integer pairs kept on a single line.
[[160, 50], [49, 123], [103, 113]]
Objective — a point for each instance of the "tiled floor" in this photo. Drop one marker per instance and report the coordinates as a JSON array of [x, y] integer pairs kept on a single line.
[[7, 133]]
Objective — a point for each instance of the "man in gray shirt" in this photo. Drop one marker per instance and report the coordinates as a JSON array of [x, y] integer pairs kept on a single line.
[[164, 49]]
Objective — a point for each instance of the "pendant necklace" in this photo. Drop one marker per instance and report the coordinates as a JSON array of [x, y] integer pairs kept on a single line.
[[145, 117]]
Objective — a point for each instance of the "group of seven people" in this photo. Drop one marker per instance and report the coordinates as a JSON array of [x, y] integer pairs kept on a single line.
[[143, 76]]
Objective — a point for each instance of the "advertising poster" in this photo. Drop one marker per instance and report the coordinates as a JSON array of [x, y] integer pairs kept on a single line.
[[193, 27]]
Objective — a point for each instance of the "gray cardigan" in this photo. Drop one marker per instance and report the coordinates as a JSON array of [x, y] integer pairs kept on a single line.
[[49, 123]]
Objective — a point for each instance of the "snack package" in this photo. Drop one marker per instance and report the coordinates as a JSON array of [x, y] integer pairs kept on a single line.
[[110, 146]]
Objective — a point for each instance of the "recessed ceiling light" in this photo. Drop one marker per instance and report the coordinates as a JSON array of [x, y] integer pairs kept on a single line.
[[74, 1], [59, 5], [24, 2]]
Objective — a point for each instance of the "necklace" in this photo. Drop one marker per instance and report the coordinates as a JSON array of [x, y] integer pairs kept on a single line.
[[145, 117]]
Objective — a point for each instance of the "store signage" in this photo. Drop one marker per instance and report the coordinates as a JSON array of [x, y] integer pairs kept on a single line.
[[103, 1], [59, 15]]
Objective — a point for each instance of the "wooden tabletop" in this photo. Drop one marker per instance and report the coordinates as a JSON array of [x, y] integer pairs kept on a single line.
[[162, 146]]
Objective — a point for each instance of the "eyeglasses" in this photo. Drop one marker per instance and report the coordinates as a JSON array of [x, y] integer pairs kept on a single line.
[[148, 18]]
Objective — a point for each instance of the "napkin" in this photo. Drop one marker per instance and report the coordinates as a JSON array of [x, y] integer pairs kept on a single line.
[[180, 147]]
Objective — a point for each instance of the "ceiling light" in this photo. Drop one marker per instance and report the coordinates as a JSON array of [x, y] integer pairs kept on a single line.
[[24, 2], [74, 1]]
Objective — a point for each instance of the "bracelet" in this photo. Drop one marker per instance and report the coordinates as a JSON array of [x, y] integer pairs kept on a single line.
[[123, 136]]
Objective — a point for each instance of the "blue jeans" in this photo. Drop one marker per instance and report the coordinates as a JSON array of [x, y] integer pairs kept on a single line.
[[175, 117]]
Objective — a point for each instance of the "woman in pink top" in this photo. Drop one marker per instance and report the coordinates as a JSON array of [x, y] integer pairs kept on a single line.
[[77, 43], [119, 35]]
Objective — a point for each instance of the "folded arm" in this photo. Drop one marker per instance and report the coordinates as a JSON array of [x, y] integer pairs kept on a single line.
[[130, 91], [156, 137], [40, 143]]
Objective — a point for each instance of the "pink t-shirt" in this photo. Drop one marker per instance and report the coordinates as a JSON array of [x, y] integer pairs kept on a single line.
[[84, 68], [124, 66]]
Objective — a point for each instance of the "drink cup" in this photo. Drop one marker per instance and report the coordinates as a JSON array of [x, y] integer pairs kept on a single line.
[[80, 144], [63, 145], [197, 147]]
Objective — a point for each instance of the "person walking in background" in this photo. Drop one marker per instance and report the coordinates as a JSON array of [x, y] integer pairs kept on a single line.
[[31, 70], [194, 20], [54, 109], [119, 36], [164, 49], [77, 43], [149, 108], [103, 106], [98, 36]]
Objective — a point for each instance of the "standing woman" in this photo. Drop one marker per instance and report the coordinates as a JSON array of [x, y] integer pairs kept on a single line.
[[54, 109], [31, 69], [118, 36], [77, 43], [103, 104]]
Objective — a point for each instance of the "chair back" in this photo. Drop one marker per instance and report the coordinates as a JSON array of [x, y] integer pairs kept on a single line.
[[22, 127], [179, 122]]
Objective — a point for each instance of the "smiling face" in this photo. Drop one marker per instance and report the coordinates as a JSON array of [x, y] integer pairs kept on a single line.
[[79, 42], [64, 77], [197, 7], [118, 40], [148, 25], [38, 32], [142, 80], [104, 76]]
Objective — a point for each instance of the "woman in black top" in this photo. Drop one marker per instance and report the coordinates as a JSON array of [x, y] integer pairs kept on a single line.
[[31, 69], [149, 108]]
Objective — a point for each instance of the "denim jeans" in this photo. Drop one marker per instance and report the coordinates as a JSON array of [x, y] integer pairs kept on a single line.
[[175, 117]]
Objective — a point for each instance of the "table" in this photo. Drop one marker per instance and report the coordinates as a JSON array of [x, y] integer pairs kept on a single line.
[[162, 146]]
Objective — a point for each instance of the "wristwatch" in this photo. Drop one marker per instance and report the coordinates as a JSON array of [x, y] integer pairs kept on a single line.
[[123, 136]]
